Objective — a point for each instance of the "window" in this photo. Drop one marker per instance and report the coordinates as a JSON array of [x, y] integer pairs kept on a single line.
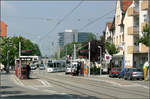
[[50, 64]]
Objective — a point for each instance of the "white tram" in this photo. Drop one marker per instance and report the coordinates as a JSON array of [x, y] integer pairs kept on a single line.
[[56, 65]]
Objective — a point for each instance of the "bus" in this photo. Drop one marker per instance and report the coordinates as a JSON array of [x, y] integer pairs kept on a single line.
[[56, 65]]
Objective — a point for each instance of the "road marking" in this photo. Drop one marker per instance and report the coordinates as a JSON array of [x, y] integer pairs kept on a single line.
[[17, 81], [49, 91], [45, 83]]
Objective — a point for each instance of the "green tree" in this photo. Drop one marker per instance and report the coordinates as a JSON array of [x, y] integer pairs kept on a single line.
[[91, 37], [11, 44], [69, 48], [111, 48], [145, 39]]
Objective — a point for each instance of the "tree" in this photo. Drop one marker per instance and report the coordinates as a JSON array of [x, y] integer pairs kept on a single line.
[[69, 48], [11, 44], [91, 37], [111, 48], [145, 39]]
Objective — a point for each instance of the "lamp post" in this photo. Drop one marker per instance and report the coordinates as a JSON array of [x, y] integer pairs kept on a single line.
[[100, 59], [89, 59], [124, 48], [71, 65]]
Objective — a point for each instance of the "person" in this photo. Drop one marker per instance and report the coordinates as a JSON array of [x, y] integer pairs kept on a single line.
[[28, 70]]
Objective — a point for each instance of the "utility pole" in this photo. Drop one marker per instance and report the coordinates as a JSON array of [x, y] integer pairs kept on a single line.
[[7, 66], [89, 59], [100, 59], [149, 36], [19, 49], [74, 55]]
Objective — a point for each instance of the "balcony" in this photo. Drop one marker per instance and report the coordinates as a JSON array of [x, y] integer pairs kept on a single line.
[[143, 24], [144, 5], [133, 30], [132, 49], [133, 11], [143, 49]]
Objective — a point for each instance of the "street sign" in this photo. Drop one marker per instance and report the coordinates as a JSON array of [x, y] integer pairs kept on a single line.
[[26, 52], [108, 58]]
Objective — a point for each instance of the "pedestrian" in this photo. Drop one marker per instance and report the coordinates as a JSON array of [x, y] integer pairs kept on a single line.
[[28, 70]]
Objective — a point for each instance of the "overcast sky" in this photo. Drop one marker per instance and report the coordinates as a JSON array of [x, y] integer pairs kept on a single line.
[[36, 20]]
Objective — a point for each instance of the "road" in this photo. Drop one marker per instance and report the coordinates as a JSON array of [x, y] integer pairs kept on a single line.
[[45, 85]]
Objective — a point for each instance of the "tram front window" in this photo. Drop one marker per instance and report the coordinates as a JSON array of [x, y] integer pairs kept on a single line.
[[50, 65]]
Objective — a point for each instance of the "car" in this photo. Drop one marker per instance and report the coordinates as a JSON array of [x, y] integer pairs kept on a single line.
[[68, 69], [32, 67], [122, 73], [134, 73], [114, 72], [41, 67]]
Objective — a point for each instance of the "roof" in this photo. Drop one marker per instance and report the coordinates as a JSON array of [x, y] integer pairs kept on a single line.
[[109, 25], [113, 24], [125, 4]]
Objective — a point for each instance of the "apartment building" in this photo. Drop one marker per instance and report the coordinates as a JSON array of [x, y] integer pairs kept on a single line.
[[127, 27], [108, 33], [3, 29]]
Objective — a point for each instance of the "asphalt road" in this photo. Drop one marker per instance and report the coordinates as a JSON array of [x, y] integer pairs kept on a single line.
[[61, 86]]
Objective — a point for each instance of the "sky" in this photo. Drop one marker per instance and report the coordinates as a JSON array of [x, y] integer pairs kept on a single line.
[[36, 20]]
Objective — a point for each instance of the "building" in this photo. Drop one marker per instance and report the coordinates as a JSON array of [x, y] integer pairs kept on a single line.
[[69, 36], [127, 27], [82, 36], [3, 29], [108, 33]]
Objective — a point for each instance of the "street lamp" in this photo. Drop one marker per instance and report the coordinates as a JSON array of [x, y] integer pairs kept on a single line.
[[100, 59], [124, 48]]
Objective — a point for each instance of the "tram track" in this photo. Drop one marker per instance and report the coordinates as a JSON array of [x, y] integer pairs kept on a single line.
[[92, 84], [105, 86], [95, 83], [79, 90]]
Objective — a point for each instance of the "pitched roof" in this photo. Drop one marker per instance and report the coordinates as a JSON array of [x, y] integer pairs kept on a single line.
[[125, 4], [109, 25]]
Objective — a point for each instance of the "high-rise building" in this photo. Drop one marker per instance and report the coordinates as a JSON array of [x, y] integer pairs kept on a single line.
[[69, 36], [82, 36], [3, 29]]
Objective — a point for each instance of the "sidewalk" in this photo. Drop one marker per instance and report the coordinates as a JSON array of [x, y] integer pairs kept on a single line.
[[33, 82]]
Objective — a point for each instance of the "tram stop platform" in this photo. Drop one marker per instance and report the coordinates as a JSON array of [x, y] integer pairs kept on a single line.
[[32, 82]]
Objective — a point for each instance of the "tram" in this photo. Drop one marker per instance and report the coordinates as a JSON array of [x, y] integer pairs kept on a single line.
[[20, 67], [56, 65]]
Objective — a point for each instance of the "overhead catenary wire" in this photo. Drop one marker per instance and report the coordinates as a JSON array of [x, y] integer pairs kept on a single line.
[[97, 19], [67, 15]]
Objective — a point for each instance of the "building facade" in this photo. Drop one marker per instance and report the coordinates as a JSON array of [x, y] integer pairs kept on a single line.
[[3, 29], [108, 34], [69, 36], [127, 28]]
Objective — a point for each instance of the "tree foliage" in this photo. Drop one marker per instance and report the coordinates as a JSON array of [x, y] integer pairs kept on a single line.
[[145, 39], [111, 48], [91, 37], [68, 49], [11, 44]]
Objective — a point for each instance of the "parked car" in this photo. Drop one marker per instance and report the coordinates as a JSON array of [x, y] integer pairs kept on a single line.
[[32, 67], [122, 73], [114, 72], [41, 67], [133, 73]]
